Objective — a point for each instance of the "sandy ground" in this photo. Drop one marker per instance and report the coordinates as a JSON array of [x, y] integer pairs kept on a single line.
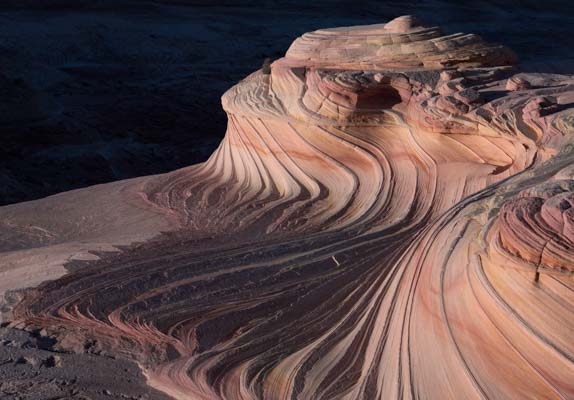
[[33, 368]]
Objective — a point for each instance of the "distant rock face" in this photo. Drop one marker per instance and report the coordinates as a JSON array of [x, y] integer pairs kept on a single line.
[[19, 104], [388, 216]]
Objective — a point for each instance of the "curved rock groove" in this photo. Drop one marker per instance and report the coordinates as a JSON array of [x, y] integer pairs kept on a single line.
[[390, 215]]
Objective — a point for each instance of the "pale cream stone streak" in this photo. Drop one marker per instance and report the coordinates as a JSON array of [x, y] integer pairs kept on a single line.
[[308, 188]]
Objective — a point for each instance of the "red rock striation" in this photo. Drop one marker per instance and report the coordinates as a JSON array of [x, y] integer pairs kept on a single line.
[[370, 228], [540, 230]]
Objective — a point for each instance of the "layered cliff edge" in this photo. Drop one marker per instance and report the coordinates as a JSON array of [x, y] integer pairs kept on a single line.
[[390, 215]]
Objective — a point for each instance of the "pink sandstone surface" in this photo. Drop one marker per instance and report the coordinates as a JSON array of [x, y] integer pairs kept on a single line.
[[390, 215]]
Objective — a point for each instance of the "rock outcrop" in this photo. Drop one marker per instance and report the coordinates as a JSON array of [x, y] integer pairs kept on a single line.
[[388, 216]]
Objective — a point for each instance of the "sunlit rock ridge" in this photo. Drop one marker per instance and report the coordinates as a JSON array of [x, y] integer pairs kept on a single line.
[[390, 215]]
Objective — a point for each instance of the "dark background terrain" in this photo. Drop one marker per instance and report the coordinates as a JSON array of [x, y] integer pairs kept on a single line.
[[95, 91]]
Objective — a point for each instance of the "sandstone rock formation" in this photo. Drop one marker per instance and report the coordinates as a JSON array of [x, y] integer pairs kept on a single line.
[[388, 216]]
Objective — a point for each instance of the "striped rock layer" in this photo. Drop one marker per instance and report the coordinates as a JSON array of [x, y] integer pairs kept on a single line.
[[390, 215]]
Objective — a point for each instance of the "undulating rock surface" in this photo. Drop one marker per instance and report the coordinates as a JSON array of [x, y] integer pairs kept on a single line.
[[115, 89], [390, 215]]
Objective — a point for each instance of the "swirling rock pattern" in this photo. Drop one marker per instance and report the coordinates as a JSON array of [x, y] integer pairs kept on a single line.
[[388, 216]]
